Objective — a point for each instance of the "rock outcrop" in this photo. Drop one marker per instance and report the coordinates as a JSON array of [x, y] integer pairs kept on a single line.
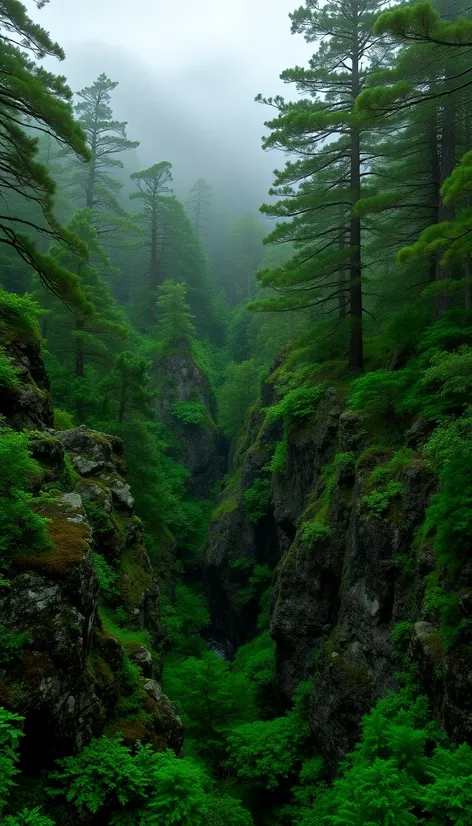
[[186, 403], [347, 570], [85, 610]]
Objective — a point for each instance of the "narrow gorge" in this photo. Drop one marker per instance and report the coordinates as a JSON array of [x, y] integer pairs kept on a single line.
[[236, 440]]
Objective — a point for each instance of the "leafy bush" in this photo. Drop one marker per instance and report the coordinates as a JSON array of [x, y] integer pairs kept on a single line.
[[8, 373], [18, 522], [259, 580], [19, 317], [267, 752], [313, 533], [299, 403], [211, 699], [279, 460], [12, 644], [10, 734], [379, 501], [448, 516], [62, 420], [191, 413], [256, 499], [151, 787], [383, 393], [401, 635], [107, 577], [184, 619], [29, 817]]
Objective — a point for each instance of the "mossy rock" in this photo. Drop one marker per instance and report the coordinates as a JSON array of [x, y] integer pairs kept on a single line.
[[134, 577], [70, 541]]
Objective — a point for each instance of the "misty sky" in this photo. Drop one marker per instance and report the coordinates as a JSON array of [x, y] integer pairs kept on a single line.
[[189, 71]]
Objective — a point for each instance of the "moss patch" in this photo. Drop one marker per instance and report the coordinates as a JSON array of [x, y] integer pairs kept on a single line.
[[69, 538]]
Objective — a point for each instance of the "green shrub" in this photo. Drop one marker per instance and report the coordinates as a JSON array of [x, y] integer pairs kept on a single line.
[[143, 787], [383, 393], [8, 372], [379, 501], [448, 516], [266, 752], [299, 404], [184, 619], [211, 699], [10, 734], [63, 420], [19, 525], [314, 533], [191, 413], [12, 644], [29, 817], [19, 318], [256, 500], [279, 460], [107, 576], [401, 635], [259, 580]]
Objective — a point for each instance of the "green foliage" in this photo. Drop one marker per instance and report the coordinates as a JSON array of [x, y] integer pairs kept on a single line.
[[107, 576], [8, 372], [314, 533], [279, 460], [266, 753], [298, 404], [211, 699], [448, 516], [12, 644], [19, 318], [256, 500], [10, 734], [183, 619], [256, 660], [401, 635], [237, 395], [144, 787], [62, 420], [260, 579], [29, 817], [191, 413], [379, 501], [174, 319], [19, 523]]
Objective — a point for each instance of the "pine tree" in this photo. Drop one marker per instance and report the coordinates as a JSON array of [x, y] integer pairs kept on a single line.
[[427, 88], [318, 192], [153, 186], [95, 185], [33, 96], [83, 345], [174, 319], [198, 205]]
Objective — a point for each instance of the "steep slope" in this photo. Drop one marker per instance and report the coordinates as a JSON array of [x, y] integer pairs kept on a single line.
[[335, 517], [79, 617]]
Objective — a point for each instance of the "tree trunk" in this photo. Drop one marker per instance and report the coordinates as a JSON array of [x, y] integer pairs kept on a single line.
[[446, 211], [342, 298], [356, 357], [154, 273]]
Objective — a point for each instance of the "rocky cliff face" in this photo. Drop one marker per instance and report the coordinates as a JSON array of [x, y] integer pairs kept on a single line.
[[347, 571], [186, 403], [85, 665]]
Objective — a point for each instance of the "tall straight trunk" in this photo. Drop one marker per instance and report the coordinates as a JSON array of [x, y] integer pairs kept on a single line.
[[435, 174], [89, 196], [342, 299], [154, 273], [446, 211], [356, 356]]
